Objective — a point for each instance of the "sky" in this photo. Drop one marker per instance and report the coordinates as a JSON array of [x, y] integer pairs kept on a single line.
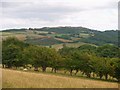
[[94, 14]]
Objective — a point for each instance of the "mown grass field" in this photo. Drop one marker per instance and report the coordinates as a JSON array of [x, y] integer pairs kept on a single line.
[[20, 79]]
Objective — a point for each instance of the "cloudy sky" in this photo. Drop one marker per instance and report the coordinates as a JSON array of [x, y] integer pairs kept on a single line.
[[94, 14]]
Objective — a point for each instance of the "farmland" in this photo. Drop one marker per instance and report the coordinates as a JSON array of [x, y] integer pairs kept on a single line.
[[61, 35]]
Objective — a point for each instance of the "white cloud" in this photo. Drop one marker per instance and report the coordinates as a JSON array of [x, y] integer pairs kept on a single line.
[[95, 14]]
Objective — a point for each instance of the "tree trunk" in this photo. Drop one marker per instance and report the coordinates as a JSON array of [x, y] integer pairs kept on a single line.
[[9, 66], [55, 70], [88, 74], [71, 72], [44, 68], [100, 74], [3, 66], [106, 76]]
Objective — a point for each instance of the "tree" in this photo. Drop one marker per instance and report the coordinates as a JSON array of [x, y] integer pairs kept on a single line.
[[108, 51], [56, 61], [69, 63], [65, 51], [88, 48], [10, 55], [32, 56], [117, 70], [12, 52], [85, 64], [42, 57], [14, 41], [76, 60], [102, 66]]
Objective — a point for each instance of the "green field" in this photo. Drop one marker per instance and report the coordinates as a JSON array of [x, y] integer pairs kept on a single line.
[[59, 46]]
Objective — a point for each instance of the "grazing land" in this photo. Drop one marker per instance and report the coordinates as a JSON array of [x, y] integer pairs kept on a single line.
[[20, 79], [61, 35]]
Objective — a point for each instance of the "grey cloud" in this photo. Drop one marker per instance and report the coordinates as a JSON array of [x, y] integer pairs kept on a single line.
[[13, 4], [43, 12], [51, 12], [29, 6]]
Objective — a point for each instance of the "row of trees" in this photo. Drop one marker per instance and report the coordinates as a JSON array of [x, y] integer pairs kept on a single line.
[[100, 61]]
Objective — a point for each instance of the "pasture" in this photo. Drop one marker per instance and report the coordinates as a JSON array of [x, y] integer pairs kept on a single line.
[[20, 79], [74, 45]]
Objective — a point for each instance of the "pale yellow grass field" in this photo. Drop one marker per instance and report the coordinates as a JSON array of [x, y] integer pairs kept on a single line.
[[18, 36], [21, 37], [0, 77], [19, 79]]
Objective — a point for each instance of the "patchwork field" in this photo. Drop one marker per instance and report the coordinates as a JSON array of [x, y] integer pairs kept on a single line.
[[20, 79]]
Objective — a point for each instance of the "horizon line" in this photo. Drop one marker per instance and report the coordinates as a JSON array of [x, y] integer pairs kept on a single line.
[[54, 27]]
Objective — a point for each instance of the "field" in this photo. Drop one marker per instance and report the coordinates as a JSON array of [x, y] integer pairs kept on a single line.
[[0, 77], [20, 35], [75, 45], [20, 79]]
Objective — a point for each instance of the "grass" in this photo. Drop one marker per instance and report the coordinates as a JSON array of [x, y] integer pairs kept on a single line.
[[20, 36], [64, 40], [0, 77], [59, 46], [20, 79]]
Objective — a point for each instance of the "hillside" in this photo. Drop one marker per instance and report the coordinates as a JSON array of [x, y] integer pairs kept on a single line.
[[67, 30], [44, 80], [100, 38], [63, 35]]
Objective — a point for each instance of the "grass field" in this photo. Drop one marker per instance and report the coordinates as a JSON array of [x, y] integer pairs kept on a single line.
[[0, 77], [59, 46], [20, 79]]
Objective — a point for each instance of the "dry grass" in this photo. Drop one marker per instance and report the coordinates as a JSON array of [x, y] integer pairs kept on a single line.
[[20, 37], [17, 35], [19, 79], [0, 77]]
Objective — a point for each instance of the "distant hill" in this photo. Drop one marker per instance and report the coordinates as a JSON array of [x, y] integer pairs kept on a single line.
[[59, 30], [67, 30], [14, 30], [53, 35], [100, 38]]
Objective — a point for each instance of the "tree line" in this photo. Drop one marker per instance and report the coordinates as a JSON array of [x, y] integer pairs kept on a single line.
[[102, 61]]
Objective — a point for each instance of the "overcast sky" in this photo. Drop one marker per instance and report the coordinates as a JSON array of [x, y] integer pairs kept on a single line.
[[94, 14]]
